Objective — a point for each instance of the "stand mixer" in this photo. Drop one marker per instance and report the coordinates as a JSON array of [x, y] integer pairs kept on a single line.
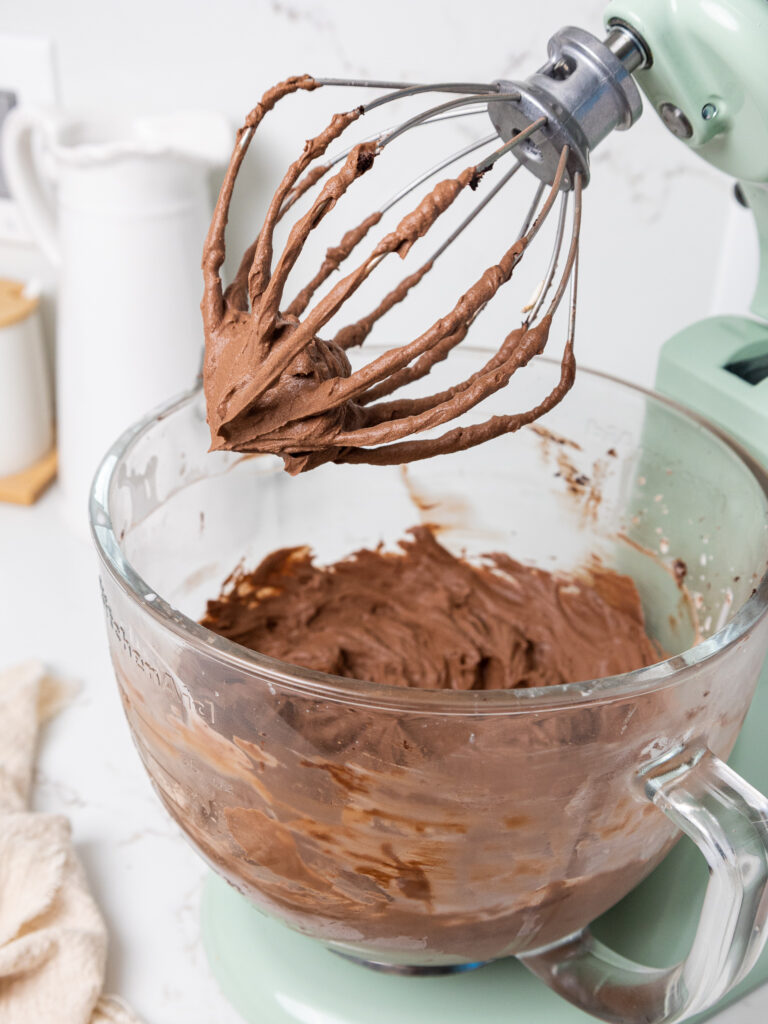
[[702, 68]]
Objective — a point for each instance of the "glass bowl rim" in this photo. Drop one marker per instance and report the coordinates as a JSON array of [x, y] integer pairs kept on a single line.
[[370, 694]]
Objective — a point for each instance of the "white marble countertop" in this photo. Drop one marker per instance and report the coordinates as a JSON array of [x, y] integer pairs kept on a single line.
[[145, 876]]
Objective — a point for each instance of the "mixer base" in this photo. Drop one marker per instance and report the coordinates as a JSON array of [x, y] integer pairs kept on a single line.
[[272, 975]]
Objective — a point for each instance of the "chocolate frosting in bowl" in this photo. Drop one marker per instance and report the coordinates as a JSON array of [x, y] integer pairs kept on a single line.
[[415, 837], [422, 617]]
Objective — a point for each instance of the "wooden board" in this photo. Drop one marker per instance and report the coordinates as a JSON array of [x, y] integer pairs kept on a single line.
[[25, 488]]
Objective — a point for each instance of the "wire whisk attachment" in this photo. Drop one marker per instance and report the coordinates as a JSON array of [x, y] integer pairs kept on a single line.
[[274, 385]]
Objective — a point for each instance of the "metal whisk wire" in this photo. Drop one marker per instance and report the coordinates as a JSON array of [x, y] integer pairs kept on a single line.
[[339, 414]]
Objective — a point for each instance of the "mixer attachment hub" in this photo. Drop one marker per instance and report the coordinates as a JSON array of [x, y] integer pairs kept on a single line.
[[585, 91]]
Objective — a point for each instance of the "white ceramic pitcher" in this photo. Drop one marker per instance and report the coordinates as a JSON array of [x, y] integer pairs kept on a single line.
[[121, 207]]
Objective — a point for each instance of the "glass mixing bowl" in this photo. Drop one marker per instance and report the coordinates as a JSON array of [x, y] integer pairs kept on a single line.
[[431, 828]]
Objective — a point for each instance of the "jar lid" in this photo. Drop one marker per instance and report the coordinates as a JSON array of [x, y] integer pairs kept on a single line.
[[15, 303]]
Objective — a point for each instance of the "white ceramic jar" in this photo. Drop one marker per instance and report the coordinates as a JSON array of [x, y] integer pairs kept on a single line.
[[121, 208]]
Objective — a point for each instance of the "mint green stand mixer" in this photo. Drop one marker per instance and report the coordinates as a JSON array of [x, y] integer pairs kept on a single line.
[[704, 68]]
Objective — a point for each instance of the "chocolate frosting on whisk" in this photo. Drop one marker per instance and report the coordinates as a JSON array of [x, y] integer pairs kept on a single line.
[[272, 384]]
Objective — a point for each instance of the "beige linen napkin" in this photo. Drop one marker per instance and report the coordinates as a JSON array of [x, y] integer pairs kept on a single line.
[[53, 941]]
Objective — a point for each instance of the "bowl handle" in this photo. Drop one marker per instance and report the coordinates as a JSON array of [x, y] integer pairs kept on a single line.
[[728, 820]]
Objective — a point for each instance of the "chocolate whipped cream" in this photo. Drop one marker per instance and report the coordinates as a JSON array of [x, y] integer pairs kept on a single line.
[[273, 385], [406, 825], [423, 828], [422, 617]]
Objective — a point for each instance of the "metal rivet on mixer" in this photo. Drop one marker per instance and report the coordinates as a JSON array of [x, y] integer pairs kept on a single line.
[[709, 111], [676, 121]]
